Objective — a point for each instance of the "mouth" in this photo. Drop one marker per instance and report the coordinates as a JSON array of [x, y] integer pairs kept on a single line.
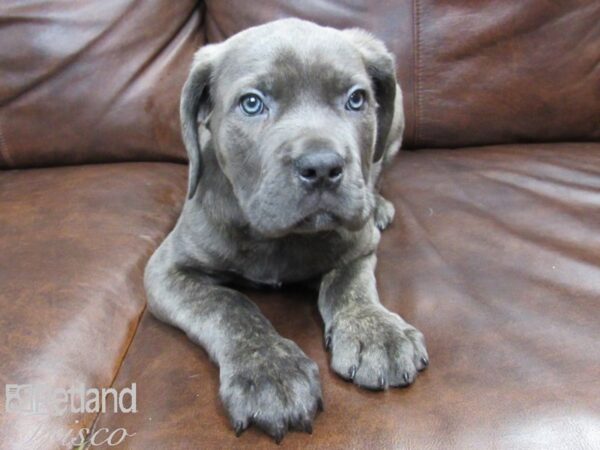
[[298, 212], [317, 221]]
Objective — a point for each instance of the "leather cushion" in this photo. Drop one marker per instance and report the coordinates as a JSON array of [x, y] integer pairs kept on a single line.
[[93, 80], [473, 73], [73, 245], [495, 255]]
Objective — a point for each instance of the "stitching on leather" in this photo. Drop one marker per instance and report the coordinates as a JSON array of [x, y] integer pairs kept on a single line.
[[417, 70]]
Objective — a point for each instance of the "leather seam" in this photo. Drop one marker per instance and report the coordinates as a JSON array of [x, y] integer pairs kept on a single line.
[[92, 427], [202, 27], [4, 153]]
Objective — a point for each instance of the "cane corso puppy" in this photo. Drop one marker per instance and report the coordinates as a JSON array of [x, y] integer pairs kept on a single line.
[[286, 126]]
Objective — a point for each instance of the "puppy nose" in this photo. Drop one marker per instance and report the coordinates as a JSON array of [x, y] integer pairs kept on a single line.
[[320, 168]]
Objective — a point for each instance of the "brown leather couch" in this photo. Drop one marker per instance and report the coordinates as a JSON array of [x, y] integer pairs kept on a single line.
[[494, 253]]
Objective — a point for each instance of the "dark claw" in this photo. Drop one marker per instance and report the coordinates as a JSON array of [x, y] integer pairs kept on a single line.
[[320, 406], [328, 343], [278, 437], [239, 428], [381, 381], [425, 362], [352, 372], [406, 377], [308, 428]]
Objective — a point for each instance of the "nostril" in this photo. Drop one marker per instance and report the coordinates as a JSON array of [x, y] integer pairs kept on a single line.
[[320, 168], [308, 174], [335, 172]]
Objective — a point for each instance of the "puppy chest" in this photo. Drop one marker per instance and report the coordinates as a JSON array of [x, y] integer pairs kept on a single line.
[[279, 264]]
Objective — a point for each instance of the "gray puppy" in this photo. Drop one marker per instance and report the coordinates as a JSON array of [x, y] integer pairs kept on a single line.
[[286, 126]]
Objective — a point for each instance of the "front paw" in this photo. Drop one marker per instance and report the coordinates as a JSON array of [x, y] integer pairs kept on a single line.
[[273, 385], [384, 212], [375, 348]]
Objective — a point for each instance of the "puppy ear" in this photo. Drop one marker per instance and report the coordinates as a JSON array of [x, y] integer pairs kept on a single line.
[[195, 105], [381, 67]]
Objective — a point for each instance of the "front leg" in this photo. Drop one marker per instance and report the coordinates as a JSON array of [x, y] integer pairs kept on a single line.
[[370, 345], [264, 379]]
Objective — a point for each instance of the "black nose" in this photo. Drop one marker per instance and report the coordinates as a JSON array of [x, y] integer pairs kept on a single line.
[[320, 168]]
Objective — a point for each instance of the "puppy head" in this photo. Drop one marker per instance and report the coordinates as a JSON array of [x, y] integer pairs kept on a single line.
[[297, 115]]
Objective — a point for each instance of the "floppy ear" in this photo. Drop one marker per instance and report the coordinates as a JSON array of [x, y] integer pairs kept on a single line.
[[195, 106], [380, 66]]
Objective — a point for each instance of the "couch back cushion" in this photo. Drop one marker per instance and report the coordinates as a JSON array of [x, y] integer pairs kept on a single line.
[[473, 73], [99, 80], [93, 80]]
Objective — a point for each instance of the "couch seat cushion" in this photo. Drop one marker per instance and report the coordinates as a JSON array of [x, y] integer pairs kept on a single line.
[[73, 244], [495, 256]]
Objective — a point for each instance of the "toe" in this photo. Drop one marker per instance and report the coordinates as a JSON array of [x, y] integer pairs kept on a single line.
[[420, 356], [345, 357], [402, 367], [373, 369]]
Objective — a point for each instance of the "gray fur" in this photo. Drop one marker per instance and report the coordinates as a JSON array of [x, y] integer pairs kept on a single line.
[[248, 219]]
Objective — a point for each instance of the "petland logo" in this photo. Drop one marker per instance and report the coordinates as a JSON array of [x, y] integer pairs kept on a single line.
[[40, 399], [35, 399]]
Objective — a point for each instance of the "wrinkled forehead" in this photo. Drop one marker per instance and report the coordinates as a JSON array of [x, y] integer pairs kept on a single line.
[[276, 65]]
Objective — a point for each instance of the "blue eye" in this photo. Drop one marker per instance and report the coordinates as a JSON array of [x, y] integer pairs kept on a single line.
[[252, 104], [356, 100]]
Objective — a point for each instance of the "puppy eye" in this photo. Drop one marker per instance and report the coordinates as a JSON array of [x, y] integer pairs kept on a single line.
[[252, 104], [356, 100]]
